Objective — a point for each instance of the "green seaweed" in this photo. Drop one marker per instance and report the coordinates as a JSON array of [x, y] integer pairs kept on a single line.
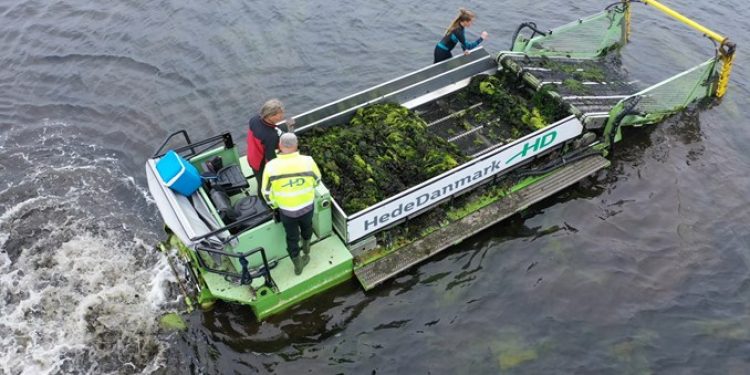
[[512, 350], [385, 149], [534, 119], [575, 86], [173, 321], [487, 87], [514, 357], [508, 112], [582, 71], [728, 329], [632, 352], [549, 107]]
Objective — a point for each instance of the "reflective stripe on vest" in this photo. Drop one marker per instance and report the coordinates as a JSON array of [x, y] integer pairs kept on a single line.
[[291, 181]]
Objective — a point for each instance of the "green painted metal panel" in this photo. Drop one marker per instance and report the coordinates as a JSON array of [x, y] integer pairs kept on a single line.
[[269, 235], [323, 217], [330, 264]]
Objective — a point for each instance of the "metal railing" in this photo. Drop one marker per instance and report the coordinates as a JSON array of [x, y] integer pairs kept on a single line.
[[205, 144], [726, 48], [245, 276]]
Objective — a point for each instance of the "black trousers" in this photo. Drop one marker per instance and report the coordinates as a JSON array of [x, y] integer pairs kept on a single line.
[[441, 55], [259, 178], [293, 226]]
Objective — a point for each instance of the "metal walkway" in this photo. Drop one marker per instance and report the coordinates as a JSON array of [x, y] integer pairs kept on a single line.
[[373, 274]]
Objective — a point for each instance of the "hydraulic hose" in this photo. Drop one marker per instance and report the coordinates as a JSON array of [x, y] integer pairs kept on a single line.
[[629, 105], [530, 25]]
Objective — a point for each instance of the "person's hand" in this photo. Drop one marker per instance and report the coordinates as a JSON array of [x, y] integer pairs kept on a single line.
[[466, 53], [484, 35], [290, 124]]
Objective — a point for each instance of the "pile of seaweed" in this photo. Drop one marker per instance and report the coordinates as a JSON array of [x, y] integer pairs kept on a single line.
[[501, 106], [509, 106], [384, 150]]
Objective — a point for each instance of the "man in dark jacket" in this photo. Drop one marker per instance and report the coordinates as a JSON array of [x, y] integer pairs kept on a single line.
[[263, 137]]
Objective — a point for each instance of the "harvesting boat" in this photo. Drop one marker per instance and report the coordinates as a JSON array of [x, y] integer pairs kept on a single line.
[[572, 99]]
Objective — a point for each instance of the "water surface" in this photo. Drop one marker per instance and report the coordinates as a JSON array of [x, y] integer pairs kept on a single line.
[[643, 269]]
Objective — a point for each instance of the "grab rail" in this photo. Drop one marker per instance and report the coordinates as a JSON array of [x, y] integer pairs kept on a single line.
[[725, 49], [211, 141], [687, 21], [246, 277]]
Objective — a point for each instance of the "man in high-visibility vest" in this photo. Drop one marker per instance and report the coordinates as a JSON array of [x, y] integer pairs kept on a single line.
[[289, 184]]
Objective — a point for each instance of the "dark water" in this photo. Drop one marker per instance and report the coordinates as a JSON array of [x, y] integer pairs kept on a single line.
[[641, 270]]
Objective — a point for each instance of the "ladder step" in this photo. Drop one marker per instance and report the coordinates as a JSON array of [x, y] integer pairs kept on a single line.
[[375, 273]]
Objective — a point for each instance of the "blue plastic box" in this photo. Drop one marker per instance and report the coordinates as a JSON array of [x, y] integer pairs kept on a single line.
[[178, 174]]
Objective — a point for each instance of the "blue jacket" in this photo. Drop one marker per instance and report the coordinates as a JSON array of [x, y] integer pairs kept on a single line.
[[456, 36]]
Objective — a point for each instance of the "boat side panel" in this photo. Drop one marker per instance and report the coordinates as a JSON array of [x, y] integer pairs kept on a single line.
[[461, 178], [317, 115], [425, 87]]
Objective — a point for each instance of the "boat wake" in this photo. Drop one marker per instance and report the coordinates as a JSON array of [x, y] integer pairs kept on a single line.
[[81, 289]]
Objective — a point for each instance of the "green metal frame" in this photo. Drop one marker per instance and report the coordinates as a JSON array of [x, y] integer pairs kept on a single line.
[[612, 38], [331, 264], [663, 106]]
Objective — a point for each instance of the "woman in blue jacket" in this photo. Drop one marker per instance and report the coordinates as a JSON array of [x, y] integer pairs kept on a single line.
[[455, 35]]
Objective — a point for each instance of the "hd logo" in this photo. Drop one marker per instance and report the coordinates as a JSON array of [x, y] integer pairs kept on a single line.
[[538, 144]]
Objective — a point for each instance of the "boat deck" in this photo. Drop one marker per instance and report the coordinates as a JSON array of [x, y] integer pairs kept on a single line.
[[330, 264]]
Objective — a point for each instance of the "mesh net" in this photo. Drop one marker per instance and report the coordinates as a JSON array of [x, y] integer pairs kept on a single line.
[[674, 94], [586, 38]]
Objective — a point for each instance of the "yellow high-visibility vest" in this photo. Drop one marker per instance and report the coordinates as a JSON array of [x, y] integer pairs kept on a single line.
[[289, 181]]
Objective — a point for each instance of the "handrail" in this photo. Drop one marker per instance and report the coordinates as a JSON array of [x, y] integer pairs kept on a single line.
[[678, 16], [169, 137], [225, 137], [245, 276], [726, 48], [530, 25]]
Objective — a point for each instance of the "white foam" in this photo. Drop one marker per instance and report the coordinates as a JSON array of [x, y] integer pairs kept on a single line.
[[91, 290], [82, 289], [20, 207], [160, 283]]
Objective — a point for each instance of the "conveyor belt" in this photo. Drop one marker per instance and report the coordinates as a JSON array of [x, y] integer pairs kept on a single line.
[[591, 87], [588, 85], [452, 118]]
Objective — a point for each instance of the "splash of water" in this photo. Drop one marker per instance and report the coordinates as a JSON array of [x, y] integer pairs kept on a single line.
[[81, 289]]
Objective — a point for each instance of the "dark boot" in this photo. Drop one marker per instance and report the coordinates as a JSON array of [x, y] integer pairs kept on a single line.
[[306, 246], [299, 263]]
